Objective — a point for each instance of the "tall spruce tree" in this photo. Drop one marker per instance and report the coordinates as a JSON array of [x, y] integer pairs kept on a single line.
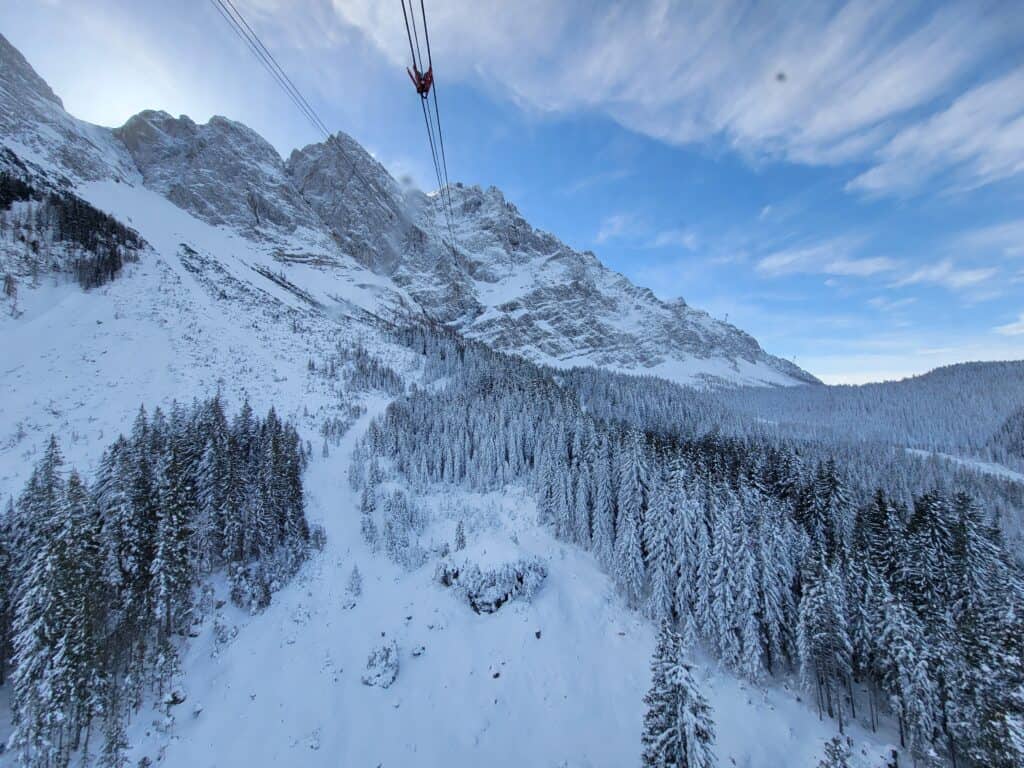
[[678, 731]]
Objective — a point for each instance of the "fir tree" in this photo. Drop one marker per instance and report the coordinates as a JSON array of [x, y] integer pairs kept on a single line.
[[629, 561], [7, 593], [837, 753], [823, 637], [604, 512], [355, 582], [42, 681], [678, 732], [661, 556]]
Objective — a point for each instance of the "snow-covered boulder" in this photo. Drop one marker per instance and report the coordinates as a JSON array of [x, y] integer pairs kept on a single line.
[[486, 591], [382, 666]]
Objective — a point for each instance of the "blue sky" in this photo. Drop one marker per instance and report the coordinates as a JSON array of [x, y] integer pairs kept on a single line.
[[845, 182]]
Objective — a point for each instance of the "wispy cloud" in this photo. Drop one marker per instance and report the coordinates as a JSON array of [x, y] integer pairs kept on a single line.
[[977, 140], [948, 275], [860, 78], [595, 180], [891, 305], [1006, 238], [680, 238], [833, 257], [614, 226], [1016, 328]]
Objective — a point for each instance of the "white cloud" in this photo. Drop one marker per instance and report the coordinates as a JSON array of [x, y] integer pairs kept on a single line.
[[977, 140], [1015, 328], [833, 257], [891, 305], [682, 238], [946, 274], [1006, 238], [613, 226], [687, 72], [595, 180]]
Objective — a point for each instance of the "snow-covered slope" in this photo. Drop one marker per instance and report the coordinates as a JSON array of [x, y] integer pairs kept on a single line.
[[248, 276], [556, 681], [333, 211]]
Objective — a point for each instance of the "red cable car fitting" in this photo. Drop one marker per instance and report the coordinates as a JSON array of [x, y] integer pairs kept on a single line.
[[421, 81]]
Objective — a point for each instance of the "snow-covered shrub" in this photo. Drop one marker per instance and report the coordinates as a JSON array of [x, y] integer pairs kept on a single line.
[[317, 537], [284, 563], [335, 427], [250, 586], [223, 633], [355, 582], [382, 666], [487, 591]]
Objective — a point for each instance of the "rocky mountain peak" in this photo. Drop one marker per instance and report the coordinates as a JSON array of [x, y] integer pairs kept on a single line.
[[34, 125], [484, 270], [222, 172], [18, 78]]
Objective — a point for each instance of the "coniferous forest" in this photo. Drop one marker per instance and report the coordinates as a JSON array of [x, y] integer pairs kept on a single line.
[[55, 231], [101, 578], [773, 564]]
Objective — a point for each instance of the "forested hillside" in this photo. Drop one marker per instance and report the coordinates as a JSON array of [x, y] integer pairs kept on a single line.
[[772, 563], [99, 579], [46, 230]]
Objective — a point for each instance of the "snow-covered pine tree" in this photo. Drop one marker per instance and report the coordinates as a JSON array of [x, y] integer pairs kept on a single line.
[[41, 681], [629, 559], [837, 753], [171, 568], [678, 731], [115, 736], [928, 572], [367, 509], [727, 543], [823, 637], [826, 511], [776, 572], [604, 511], [548, 483], [582, 506], [903, 670], [7, 588], [213, 481], [691, 545], [882, 534], [355, 582], [460, 536], [662, 560], [634, 478]]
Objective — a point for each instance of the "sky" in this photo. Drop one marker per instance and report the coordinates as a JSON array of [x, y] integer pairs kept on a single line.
[[843, 181]]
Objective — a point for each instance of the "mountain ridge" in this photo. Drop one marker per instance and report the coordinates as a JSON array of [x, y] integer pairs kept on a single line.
[[501, 281]]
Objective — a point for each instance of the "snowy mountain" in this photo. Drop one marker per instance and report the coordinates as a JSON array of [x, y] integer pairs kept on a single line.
[[427, 553], [331, 215]]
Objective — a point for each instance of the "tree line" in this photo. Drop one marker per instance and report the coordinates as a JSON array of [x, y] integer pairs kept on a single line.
[[60, 232], [98, 580]]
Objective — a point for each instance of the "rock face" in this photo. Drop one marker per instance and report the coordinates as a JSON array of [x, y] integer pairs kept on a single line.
[[334, 208], [34, 125], [222, 172]]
